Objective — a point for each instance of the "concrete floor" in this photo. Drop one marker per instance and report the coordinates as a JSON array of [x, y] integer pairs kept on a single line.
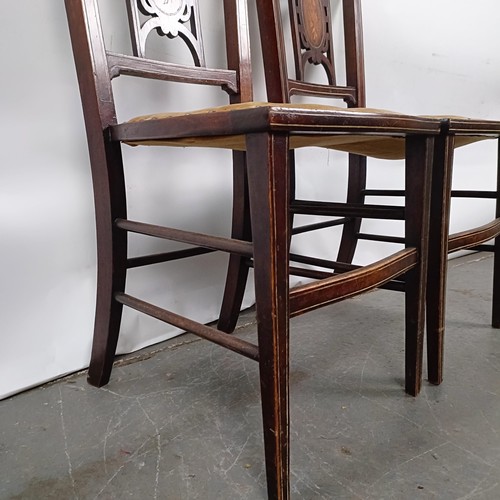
[[182, 419]]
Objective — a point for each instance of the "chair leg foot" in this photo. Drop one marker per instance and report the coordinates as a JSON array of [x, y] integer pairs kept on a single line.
[[413, 358], [111, 277], [275, 415], [436, 297], [435, 350], [106, 330]]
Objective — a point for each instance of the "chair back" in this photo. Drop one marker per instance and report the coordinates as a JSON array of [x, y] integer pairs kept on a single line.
[[171, 20], [311, 26]]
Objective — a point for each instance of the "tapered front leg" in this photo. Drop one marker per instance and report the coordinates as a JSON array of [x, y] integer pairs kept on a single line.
[[438, 255], [268, 186], [419, 152]]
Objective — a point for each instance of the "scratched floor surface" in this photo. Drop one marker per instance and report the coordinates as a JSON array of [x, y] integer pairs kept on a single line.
[[182, 419]]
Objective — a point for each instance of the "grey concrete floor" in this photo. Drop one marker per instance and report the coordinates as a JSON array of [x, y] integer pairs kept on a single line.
[[181, 420]]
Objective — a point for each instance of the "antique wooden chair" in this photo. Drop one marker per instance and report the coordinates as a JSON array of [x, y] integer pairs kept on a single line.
[[312, 45], [261, 134]]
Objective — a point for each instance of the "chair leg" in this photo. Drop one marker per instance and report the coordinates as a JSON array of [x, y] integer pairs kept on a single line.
[[107, 322], [418, 172], [356, 185], [268, 182], [110, 203], [495, 306], [495, 314], [237, 272], [438, 255]]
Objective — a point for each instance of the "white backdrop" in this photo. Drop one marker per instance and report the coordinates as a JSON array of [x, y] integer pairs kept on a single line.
[[421, 57]]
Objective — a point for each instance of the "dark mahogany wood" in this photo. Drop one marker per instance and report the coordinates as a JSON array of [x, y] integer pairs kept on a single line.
[[412, 262], [268, 153], [263, 199], [311, 29], [441, 244], [314, 295], [204, 240], [223, 339], [96, 67], [120, 64]]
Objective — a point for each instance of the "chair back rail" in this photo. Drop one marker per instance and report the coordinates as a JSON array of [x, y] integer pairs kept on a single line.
[[97, 66], [312, 37]]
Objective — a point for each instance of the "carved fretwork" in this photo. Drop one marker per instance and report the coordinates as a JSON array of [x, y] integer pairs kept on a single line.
[[312, 35], [170, 18]]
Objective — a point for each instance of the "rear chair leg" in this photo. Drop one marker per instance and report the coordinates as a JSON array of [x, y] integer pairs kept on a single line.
[[237, 272], [107, 319], [356, 185], [110, 204]]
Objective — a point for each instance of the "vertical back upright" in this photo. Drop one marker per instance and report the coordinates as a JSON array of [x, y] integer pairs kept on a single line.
[[354, 52]]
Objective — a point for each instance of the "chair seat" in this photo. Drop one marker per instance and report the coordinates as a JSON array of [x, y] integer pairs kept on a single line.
[[376, 146]]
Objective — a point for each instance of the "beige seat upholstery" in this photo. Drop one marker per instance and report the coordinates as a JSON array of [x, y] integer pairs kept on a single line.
[[383, 147]]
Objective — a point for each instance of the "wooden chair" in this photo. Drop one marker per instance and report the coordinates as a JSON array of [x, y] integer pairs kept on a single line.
[[261, 134], [312, 44], [96, 68]]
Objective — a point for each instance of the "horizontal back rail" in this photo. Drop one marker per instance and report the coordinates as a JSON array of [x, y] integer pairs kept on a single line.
[[349, 94], [120, 64]]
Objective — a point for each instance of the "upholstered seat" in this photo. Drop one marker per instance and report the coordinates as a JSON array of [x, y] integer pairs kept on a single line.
[[383, 146]]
